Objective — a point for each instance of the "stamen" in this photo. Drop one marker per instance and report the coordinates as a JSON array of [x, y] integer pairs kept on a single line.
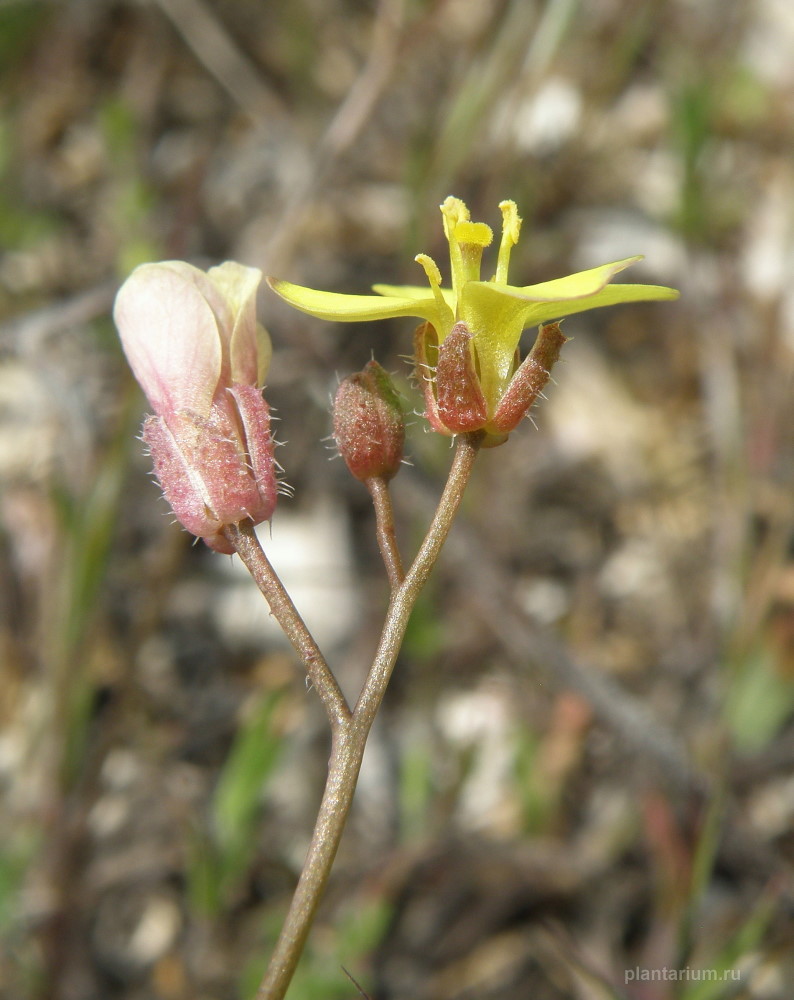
[[431, 270], [455, 213], [511, 227], [434, 277]]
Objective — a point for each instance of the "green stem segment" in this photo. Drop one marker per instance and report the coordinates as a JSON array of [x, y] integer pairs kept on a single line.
[[349, 730]]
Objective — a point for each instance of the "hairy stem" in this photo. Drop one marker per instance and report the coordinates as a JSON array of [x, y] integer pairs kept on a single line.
[[404, 598], [387, 539], [246, 544], [349, 741]]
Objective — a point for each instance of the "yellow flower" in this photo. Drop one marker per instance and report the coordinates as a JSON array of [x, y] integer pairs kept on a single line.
[[487, 318]]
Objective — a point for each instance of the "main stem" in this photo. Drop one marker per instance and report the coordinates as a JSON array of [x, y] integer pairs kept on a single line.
[[349, 737]]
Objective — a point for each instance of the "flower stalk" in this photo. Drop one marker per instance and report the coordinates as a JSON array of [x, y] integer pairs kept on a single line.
[[349, 737], [242, 539], [385, 530]]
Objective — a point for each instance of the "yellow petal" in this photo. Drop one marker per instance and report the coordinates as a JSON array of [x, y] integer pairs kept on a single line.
[[573, 286], [612, 295], [497, 314], [354, 308], [413, 292], [496, 322]]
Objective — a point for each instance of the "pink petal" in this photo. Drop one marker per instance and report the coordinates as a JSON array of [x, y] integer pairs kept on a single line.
[[245, 344], [169, 333]]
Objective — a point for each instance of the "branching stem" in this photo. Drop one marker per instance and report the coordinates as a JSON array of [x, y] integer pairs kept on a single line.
[[246, 544], [349, 731]]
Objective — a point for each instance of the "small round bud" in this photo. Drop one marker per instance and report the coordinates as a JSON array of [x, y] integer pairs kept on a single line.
[[369, 428]]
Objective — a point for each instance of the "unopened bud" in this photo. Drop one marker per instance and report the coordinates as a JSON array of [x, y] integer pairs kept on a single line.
[[369, 427]]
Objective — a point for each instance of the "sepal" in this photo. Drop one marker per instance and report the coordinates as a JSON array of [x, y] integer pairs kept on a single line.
[[528, 381], [461, 403]]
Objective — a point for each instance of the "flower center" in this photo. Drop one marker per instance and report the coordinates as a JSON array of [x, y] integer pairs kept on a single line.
[[467, 240]]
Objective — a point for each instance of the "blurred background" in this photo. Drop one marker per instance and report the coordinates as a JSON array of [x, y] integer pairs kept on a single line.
[[585, 763]]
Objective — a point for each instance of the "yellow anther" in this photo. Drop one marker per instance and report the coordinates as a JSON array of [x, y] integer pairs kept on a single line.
[[430, 268], [454, 211]]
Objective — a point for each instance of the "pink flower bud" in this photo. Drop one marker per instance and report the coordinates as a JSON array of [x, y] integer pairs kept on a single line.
[[369, 427], [194, 345]]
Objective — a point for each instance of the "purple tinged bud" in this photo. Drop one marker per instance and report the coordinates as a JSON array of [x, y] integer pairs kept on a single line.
[[369, 427]]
